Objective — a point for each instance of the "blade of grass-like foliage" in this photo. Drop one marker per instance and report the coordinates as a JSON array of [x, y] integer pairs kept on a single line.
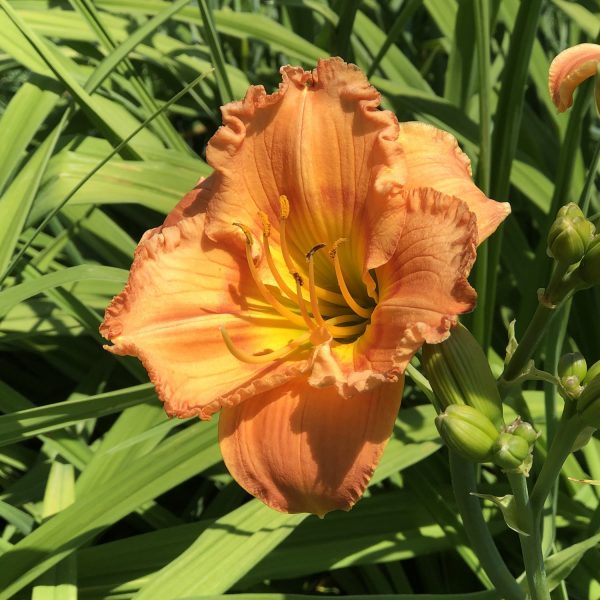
[[486, 595], [20, 520], [24, 424], [236, 24], [27, 289], [212, 39], [227, 550], [23, 116], [347, 15], [17, 200], [154, 184], [585, 18], [444, 14], [381, 528], [124, 66], [110, 155], [177, 459], [560, 565], [60, 582], [447, 519], [506, 132], [459, 80], [86, 102], [404, 14], [481, 15], [106, 462]]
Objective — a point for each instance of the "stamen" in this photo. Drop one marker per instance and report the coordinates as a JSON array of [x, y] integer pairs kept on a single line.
[[284, 205], [359, 310], [267, 295], [287, 290], [301, 303], [314, 301], [267, 357], [322, 293]]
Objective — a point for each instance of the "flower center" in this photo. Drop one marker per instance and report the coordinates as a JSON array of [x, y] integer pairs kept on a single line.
[[321, 311]]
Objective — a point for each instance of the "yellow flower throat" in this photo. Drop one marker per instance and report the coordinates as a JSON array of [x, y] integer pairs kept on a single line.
[[312, 310]]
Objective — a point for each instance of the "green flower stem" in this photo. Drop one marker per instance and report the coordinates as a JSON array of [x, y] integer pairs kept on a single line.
[[568, 429], [548, 306], [464, 485], [530, 544], [529, 342]]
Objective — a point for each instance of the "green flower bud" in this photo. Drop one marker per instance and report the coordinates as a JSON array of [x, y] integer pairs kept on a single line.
[[572, 365], [523, 430], [510, 451], [459, 373], [569, 235], [589, 269], [592, 372], [588, 403], [570, 211], [467, 432]]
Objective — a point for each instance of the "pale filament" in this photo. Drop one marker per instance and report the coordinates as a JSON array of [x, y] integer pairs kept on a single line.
[[284, 213], [267, 357], [267, 295], [301, 304], [314, 301], [359, 310]]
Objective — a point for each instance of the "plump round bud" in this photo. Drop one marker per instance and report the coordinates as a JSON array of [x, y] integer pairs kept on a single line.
[[592, 372], [459, 373], [569, 235], [524, 430], [572, 364], [589, 269], [467, 431], [570, 211], [588, 403], [510, 451]]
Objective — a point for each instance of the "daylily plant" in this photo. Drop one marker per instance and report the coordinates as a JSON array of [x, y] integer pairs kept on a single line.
[[291, 288]]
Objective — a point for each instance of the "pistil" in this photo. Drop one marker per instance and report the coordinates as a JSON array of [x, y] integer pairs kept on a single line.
[[359, 310], [314, 302]]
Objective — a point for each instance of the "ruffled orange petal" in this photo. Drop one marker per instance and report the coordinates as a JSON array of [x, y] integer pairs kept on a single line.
[[181, 290], [568, 70], [302, 449], [321, 141], [424, 286], [435, 160]]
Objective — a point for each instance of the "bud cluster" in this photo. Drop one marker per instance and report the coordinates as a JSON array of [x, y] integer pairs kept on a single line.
[[470, 417], [573, 240]]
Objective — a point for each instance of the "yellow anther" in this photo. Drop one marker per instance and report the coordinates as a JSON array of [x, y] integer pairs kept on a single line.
[[267, 357], [266, 225], [334, 247], [298, 278], [284, 207], [246, 232]]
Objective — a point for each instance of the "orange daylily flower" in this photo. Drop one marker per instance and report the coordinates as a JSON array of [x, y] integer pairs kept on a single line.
[[570, 68], [290, 289]]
